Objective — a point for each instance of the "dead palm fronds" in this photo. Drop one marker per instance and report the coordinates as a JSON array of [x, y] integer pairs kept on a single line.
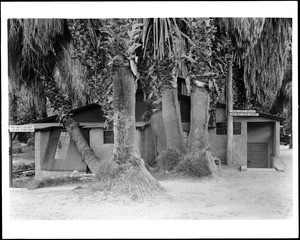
[[261, 46]]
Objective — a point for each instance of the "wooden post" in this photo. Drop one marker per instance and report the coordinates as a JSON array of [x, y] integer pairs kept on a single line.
[[229, 117], [11, 138], [10, 161]]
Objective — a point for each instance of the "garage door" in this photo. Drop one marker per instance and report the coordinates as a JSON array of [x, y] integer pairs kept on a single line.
[[257, 155]]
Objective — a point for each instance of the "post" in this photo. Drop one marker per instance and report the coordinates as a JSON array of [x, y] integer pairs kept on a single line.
[[276, 139], [229, 117], [10, 161]]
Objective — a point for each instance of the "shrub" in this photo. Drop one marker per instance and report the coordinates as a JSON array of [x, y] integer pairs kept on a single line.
[[168, 159], [17, 150], [195, 164], [30, 141], [108, 168]]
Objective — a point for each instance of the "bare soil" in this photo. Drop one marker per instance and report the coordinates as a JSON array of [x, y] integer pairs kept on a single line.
[[236, 195]]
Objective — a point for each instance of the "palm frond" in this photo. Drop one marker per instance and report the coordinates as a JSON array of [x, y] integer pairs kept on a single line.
[[265, 65]]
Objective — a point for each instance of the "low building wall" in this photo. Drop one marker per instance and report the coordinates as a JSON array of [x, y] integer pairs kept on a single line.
[[144, 146], [218, 144]]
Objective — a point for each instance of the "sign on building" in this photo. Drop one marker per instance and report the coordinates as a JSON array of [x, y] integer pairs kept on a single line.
[[21, 128], [247, 113]]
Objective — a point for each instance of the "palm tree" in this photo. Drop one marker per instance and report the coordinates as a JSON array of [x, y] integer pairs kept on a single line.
[[283, 102], [175, 47], [261, 46], [163, 42], [36, 49], [249, 43], [205, 72], [111, 55]]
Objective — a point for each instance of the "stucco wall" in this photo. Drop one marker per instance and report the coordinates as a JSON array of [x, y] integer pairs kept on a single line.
[[218, 143], [101, 150], [40, 143], [144, 144]]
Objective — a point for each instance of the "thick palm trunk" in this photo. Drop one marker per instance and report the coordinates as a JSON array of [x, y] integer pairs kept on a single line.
[[172, 120], [124, 112], [199, 161], [126, 173], [198, 136], [57, 100], [175, 144], [158, 130], [82, 145]]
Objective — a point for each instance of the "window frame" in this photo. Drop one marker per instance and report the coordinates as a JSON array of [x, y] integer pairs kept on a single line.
[[62, 148], [222, 130], [111, 138]]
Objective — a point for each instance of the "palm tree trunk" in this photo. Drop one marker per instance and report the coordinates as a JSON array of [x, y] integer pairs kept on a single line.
[[172, 120], [198, 136], [173, 133], [126, 174], [158, 130], [58, 101], [199, 161], [124, 112], [81, 144]]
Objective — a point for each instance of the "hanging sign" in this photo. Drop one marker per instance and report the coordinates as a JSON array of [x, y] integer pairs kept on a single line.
[[247, 113], [21, 128]]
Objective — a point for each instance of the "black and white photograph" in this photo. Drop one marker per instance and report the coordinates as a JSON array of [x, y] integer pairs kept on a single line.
[[149, 119]]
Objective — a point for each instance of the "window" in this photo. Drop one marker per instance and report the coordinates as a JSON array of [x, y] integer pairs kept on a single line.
[[237, 128], [108, 137], [222, 128], [62, 145]]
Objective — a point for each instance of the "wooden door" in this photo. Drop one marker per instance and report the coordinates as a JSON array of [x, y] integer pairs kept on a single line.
[[257, 155]]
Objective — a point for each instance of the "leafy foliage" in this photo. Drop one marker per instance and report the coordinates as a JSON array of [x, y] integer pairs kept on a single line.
[[35, 50], [22, 108], [244, 33], [163, 41], [283, 103], [265, 65], [207, 57], [96, 42], [260, 47]]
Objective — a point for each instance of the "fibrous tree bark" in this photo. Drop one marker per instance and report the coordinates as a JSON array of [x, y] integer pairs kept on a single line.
[[172, 120], [125, 174], [158, 129], [198, 136], [199, 161]]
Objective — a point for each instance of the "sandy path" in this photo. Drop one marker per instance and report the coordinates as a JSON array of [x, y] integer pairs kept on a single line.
[[237, 195]]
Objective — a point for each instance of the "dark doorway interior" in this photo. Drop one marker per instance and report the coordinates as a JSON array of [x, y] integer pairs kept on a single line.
[[259, 144]]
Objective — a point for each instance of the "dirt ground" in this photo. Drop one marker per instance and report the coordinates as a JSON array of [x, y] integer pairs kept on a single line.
[[236, 195]]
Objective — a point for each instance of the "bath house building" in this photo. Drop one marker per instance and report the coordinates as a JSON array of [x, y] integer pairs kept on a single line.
[[255, 138]]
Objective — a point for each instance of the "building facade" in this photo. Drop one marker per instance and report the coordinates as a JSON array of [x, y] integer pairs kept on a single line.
[[255, 138]]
